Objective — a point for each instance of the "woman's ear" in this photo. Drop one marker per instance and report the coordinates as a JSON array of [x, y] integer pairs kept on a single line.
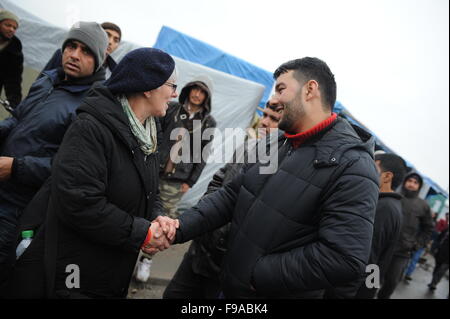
[[147, 94]]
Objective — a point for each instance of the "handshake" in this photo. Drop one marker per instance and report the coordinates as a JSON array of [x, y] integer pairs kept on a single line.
[[160, 235]]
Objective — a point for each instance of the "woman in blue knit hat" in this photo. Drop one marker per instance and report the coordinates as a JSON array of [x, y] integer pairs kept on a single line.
[[103, 193]]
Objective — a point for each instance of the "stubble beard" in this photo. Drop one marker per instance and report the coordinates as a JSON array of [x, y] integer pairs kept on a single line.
[[292, 113]]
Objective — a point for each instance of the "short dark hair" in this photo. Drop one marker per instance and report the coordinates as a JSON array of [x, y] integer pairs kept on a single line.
[[274, 107], [395, 164], [308, 68], [112, 26]]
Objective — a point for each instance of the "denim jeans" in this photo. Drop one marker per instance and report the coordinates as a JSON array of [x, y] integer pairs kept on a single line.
[[413, 262]]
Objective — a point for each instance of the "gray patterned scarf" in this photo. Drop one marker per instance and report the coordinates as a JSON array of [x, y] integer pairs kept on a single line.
[[146, 136]]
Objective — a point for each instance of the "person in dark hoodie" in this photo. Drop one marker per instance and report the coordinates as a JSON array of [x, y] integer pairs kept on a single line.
[[415, 233], [31, 136], [192, 112], [103, 187], [308, 225], [386, 228], [11, 58]]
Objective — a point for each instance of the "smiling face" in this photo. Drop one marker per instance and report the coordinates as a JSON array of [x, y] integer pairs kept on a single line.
[[159, 98], [77, 60], [8, 28], [288, 95]]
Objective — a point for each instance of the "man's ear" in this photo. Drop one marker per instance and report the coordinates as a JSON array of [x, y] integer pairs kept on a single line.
[[312, 89], [388, 176]]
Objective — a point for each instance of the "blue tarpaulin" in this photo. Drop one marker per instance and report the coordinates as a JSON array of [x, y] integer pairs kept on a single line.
[[193, 50]]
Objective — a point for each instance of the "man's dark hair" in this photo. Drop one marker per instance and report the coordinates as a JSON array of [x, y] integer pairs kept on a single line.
[[112, 26], [274, 107], [306, 69], [394, 164]]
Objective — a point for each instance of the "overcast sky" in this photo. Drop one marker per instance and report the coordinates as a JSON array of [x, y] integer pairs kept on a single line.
[[390, 57]]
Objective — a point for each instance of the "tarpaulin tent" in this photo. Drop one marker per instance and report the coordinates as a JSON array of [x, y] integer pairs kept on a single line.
[[188, 48]]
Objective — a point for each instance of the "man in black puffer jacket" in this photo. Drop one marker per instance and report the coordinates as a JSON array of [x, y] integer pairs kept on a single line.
[[415, 232], [386, 230], [307, 226]]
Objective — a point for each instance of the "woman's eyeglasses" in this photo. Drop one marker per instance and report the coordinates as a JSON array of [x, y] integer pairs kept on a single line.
[[173, 86]]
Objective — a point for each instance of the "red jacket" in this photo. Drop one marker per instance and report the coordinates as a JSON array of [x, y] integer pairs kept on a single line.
[[441, 225]]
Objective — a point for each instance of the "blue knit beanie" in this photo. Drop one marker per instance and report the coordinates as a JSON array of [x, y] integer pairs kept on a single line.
[[141, 70]]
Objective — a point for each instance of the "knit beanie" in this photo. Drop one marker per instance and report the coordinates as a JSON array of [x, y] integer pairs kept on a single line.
[[141, 70], [5, 14], [93, 36]]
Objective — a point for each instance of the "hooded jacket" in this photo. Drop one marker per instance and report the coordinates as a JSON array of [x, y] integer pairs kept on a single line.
[[104, 193], [33, 134], [417, 224], [177, 117], [305, 228], [11, 67]]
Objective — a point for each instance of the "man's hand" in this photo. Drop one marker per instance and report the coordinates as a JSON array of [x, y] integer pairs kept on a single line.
[[169, 226], [5, 167], [158, 241], [185, 187]]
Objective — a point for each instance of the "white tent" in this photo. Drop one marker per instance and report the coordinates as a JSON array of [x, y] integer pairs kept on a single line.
[[234, 99]]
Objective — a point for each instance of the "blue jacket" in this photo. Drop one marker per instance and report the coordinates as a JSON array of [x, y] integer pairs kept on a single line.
[[33, 134]]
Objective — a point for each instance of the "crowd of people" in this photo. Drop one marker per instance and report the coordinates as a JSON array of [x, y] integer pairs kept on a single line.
[[88, 162]]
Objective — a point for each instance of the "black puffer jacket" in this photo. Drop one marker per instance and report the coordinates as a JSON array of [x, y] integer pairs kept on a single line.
[[305, 228], [208, 250], [11, 68], [104, 194], [386, 231], [177, 117]]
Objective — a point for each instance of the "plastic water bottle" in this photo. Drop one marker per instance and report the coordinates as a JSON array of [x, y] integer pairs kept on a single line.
[[143, 271], [27, 236]]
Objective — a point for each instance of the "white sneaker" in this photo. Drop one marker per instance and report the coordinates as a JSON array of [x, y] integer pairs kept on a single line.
[[143, 270]]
